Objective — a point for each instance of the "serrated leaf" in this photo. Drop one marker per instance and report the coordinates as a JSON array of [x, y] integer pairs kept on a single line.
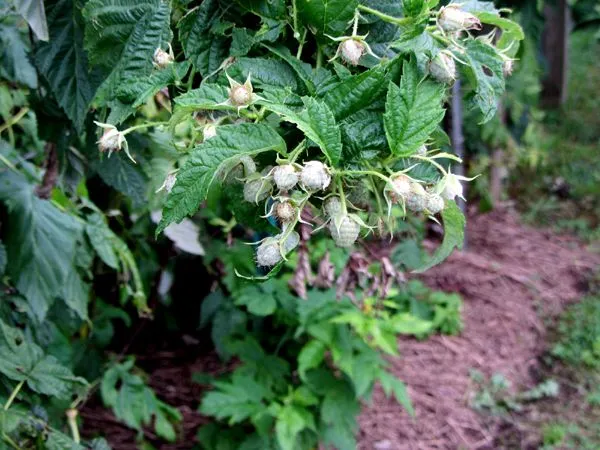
[[101, 237], [40, 243], [142, 26], [454, 235], [23, 360], [264, 72], [205, 161], [485, 74], [352, 95], [412, 111], [127, 178], [330, 17], [311, 356], [412, 8], [63, 62], [253, 297], [393, 386], [136, 91], [209, 96], [302, 69], [35, 15], [76, 294], [14, 62], [205, 50], [317, 123], [339, 409], [264, 8], [59, 441], [291, 420], [363, 136]]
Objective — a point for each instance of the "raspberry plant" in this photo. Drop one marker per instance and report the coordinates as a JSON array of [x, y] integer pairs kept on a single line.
[[300, 126]]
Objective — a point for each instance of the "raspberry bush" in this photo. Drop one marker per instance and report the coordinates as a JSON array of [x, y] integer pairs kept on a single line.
[[302, 127]]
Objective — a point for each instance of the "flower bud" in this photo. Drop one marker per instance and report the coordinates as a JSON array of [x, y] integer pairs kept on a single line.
[[352, 50], [162, 59], [507, 67], [417, 198], [451, 18], [285, 177], [209, 131], [256, 190], [346, 233], [285, 212], [435, 203], [112, 140], [443, 68], [315, 176]]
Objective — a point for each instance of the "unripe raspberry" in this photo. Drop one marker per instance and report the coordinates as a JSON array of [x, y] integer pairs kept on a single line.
[[256, 190], [285, 177], [352, 50], [268, 253], [285, 212], [443, 68], [417, 198], [401, 187], [240, 95], [332, 206], [451, 18], [347, 233], [315, 176], [162, 59], [435, 203], [210, 131]]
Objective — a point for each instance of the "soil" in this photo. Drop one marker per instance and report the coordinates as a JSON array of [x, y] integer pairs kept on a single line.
[[512, 279]]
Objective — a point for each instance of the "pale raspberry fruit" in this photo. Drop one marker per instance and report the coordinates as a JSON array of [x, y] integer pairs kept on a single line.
[[332, 206], [268, 253], [417, 198], [347, 233], [285, 177], [435, 203], [315, 176], [443, 68], [240, 95], [401, 187], [285, 212]]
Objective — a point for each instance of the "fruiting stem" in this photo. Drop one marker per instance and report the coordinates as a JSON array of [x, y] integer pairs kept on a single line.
[[355, 24], [319, 57], [301, 45], [296, 152], [142, 125], [377, 196], [340, 188], [72, 419], [430, 161], [385, 17], [13, 120], [13, 395], [366, 172]]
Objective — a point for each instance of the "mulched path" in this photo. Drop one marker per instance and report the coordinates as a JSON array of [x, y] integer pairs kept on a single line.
[[510, 277]]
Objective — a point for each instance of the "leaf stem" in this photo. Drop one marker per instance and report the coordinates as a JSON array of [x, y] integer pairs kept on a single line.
[[13, 120], [143, 125], [13, 395], [386, 17]]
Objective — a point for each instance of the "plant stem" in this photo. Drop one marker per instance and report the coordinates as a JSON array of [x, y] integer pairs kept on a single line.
[[430, 161], [72, 419], [12, 443], [377, 196], [340, 189], [385, 17], [319, 56], [366, 172], [13, 395], [143, 125], [13, 120]]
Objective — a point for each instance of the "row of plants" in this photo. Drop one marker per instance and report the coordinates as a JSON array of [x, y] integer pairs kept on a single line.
[[267, 123]]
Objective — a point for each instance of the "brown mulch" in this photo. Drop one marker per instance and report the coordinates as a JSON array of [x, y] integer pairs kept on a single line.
[[509, 278]]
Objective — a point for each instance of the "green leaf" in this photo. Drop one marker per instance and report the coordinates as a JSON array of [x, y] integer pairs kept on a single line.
[[485, 74], [303, 70], [339, 410], [134, 403], [311, 356], [59, 441], [101, 237], [392, 385], [236, 400], [317, 123], [76, 294], [3, 259], [412, 8], [291, 420], [63, 62], [40, 243], [35, 15], [264, 72], [207, 159], [363, 136], [355, 93], [127, 178], [14, 62], [330, 17], [264, 8], [23, 360], [412, 111], [123, 35], [208, 96], [512, 32], [205, 50], [405, 323], [454, 235], [256, 300], [136, 91]]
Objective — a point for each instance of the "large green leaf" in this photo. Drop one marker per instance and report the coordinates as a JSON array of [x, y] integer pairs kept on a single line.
[[59, 441], [205, 50], [485, 73], [291, 420], [355, 93], [311, 356], [23, 360], [393, 386], [454, 235], [63, 62], [264, 72], [102, 240], [317, 123], [40, 243], [330, 17], [209, 96], [14, 62], [199, 171], [302, 69], [34, 13], [412, 111], [127, 178], [141, 26]]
